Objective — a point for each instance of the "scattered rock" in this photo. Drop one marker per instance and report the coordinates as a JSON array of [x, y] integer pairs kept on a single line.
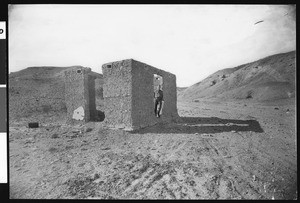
[[89, 130], [72, 136], [29, 140], [249, 96], [99, 181], [33, 125], [96, 176], [53, 149], [56, 160], [105, 148], [54, 136], [192, 183], [69, 147]]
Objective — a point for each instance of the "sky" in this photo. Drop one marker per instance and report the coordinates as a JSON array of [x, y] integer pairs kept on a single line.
[[190, 41]]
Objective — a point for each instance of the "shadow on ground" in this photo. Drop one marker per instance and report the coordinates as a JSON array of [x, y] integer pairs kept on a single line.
[[190, 125], [98, 117]]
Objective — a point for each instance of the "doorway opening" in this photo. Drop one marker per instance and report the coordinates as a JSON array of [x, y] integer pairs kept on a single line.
[[158, 94], [95, 95]]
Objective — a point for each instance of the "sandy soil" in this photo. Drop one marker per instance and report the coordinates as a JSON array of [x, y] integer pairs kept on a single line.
[[217, 150]]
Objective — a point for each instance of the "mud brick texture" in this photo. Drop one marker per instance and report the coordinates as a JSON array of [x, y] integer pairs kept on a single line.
[[77, 82], [128, 93]]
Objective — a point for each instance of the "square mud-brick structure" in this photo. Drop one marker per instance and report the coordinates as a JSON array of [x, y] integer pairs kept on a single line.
[[80, 94], [128, 92]]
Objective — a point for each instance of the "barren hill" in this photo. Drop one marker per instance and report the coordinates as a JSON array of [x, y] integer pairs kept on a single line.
[[269, 78], [40, 89]]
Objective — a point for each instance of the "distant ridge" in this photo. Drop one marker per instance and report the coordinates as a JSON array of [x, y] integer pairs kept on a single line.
[[270, 78]]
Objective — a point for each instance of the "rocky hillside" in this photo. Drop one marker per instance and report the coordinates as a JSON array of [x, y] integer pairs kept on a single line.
[[40, 90], [269, 78]]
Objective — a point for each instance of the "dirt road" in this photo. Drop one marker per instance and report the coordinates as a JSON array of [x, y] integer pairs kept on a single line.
[[217, 150]]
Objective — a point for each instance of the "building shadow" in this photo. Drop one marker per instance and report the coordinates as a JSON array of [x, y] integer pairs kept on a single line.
[[98, 116], [201, 125]]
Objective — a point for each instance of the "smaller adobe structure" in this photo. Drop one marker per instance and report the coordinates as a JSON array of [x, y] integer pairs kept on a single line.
[[128, 93], [80, 94]]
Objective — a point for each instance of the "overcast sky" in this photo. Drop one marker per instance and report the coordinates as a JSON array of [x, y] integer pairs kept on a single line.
[[191, 41]]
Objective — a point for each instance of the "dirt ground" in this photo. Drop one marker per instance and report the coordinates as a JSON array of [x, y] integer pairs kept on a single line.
[[216, 150]]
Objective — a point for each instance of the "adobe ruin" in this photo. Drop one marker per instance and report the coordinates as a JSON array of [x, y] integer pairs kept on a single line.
[[128, 93], [80, 94]]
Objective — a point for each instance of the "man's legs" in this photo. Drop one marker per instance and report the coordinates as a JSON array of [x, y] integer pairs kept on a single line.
[[159, 108], [155, 108]]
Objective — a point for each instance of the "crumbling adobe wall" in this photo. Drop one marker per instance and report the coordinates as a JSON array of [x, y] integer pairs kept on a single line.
[[117, 94], [143, 95], [92, 97], [128, 93], [99, 93], [77, 93]]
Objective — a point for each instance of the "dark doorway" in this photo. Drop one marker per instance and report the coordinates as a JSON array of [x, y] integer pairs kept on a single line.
[[157, 88]]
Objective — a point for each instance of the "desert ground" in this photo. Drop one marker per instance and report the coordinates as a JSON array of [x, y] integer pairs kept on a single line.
[[217, 149]]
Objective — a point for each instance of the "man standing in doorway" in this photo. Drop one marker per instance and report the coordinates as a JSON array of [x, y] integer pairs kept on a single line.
[[158, 95]]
